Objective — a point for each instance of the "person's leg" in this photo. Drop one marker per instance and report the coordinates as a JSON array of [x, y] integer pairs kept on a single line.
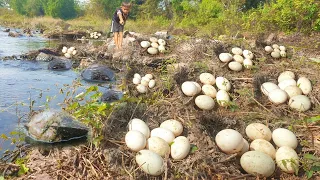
[[116, 39], [120, 39]]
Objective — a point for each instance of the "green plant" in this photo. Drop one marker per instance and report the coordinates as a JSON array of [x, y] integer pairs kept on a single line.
[[310, 164]]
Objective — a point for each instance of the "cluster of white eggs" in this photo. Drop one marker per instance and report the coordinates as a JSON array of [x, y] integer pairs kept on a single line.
[[153, 146], [258, 157], [289, 88], [238, 59], [276, 51], [209, 92], [95, 35], [143, 82], [68, 53], [154, 45]]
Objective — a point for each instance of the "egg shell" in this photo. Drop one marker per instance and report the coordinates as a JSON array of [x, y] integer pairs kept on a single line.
[[267, 87], [247, 63], [236, 51], [162, 42], [141, 88], [64, 49], [207, 78], [145, 78], [152, 50], [144, 82], [198, 87], [74, 52], [305, 85], [268, 49], [223, 98], [67, 55], [158, 146], [286, 75], [189, 88], [238, 58], [283, 54], [257, 163], [153, 40], [275, 46], [300, 103], [173, 125], [276, 50], [136, 81], [223, 83], [152, 83], [150, 162], [282, 48], [139, 125], [209, 90], [229, 141], [247, 54], [155, 45], [162, 48], [225, 57], [164, 134], [235, 66], [69, 51], [284, 137], [204, 102], [180, 148], [263, 146], [278, 96], [287, 159], [293, 91], [244, 149], [288, 82], [72, 48], [258, 131], [145, 44], [135, 140], [136, 75], [149, 76], [275, 54]]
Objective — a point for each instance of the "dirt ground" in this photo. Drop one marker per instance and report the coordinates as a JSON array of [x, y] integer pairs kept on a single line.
[[191, 57]]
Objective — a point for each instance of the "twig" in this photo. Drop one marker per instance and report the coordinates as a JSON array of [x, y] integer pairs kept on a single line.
[[242, 177], [263, 107]]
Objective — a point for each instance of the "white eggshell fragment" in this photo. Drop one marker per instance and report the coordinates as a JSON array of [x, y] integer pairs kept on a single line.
[[223, 98], [139, 125], [149, 76], [305, 85], [267, 87], [145, 44], [263, 146], [257, 163], [173, 125], [275, 54], [223, 83], [189, 88], [278, 96], [287, 159], [284, 137], [229, 141], [235, 66], [136, 75], [135, 140], [152, 83], [286, 75], [207, 78], [245, 148], [141, 88], [180, 148], [204, 102], [247, 54], [300, 103], [209, 90], [288, 82], [136, 81], [247, 63], [152, 50], [293, 91], [238, 58], [158, 146], [258, 131], [150, 162], [225, 57], [268, 49], [236, 51], [164, 134]]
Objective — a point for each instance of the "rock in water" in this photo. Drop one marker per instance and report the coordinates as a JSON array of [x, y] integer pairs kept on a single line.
[[59, 64], [98, 73], [43, 57], [55, 126]]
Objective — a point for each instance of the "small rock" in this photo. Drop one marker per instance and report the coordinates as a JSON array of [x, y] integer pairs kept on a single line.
[[43, 57]]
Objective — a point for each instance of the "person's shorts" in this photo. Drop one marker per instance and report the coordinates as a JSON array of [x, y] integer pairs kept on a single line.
[[116, 27]]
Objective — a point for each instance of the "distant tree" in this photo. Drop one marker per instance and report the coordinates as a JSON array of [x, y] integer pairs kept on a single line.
[[35, 7], [18, 6], [4, 3], [64, 9], [249, 4]]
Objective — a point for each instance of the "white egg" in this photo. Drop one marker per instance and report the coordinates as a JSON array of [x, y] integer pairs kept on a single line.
[[287, 159], [257, 163], [263, 146], [173, 125], [135, 140], [247, 63], [286, 75], [293, 91], [74, 52], [164, 134], [162, 48], [268, 49], [189, 88], [229, 141], [277, 50], [152, 50], [162, 42], [139, 125], [141, 88], [146, 78], [158, 146], [204, 102], [155, 45], [245, 148], [283, 54], [235, 66], [223, 83], [207, 78], [300, 103], [284, 137], [136, 81], [225, 57], [180, 148], [198, 87], [236, 51], [152, 83], [282, 48], [150, 162], [223, 98], [238, 58], [288, 82], [144, 83], [67, 55], [136, 75], [149, 76], [153, 40], [258, 131], [305, 85], [145, 44], [278, 96], [247, 54], [72, 48], [267, 87], [64, 49], [275, 54], [209, 90], [275, 46]]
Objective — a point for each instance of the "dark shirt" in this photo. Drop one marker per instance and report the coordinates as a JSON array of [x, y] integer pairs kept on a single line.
[[116, 16]]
